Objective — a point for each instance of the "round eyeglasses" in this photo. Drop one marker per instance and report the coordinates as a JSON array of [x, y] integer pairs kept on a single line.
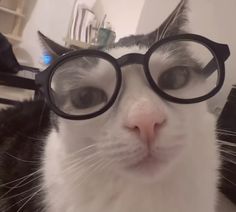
[[181, 69]]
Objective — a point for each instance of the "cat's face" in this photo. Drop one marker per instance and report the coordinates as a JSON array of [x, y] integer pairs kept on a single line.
[[142, 136]]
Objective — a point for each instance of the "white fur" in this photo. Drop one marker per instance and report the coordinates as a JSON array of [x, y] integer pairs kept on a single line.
[[186, 183]]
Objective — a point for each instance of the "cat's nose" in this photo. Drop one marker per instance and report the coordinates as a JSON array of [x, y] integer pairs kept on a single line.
[[145, 120]]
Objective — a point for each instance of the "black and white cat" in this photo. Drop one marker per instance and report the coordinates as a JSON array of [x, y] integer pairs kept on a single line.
[[103, 164]]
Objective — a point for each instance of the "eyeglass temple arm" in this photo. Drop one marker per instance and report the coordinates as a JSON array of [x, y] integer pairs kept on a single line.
[[211, 67]]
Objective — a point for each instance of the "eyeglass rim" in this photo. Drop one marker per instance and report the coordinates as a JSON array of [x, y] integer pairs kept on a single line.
[[219, 51], [75, 54]]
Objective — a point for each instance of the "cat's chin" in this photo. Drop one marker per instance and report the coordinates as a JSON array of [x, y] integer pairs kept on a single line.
[[153, 167]]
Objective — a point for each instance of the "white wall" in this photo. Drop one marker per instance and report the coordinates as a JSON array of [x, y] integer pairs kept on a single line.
[[123, 14], [50, 17], [214, 19], [53, 18]]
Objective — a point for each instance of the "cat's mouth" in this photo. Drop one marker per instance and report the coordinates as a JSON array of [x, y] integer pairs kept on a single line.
[[155, 162], [147, 162]]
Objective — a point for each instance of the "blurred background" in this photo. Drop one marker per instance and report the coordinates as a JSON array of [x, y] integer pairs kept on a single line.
[[82, 23]]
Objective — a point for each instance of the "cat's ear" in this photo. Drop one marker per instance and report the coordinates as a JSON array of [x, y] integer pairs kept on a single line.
[[52, 48], [175, 23]]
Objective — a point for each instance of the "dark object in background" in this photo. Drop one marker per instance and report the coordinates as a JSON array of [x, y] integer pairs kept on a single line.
[[9, 67], [8, 62], [227, 128], [22, 132]]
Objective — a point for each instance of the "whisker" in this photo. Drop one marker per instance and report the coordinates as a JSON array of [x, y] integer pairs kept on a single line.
[[228, 160], [74, 154], [28, 200], [76, 167], [227, 143], [229, 180], [19, 194], [228, 152], [20, 186], [85, 175], [16, 186], [227, 131], [19, 159], [27, 176], [227, 169], [22, 200], [80, 160], [85, 169]]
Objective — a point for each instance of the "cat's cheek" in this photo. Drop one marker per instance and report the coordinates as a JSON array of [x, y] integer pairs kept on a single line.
[[79, 134]]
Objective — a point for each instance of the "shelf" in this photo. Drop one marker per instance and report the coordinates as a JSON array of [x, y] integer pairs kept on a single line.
[[13, 12], [77, 43]]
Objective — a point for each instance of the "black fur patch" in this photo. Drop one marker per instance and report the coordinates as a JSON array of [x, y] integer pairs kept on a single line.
[[227, 121], [22, 132]]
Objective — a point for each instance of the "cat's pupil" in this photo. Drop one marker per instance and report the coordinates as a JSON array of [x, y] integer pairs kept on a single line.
[[174, 78], [86, 97]]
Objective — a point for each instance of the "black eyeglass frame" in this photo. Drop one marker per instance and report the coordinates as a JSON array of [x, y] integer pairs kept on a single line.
[[220, 51]]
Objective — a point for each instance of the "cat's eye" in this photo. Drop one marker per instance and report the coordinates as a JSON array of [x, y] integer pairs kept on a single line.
[[190, 76], [87, 97], [83, 85], [174, 78]]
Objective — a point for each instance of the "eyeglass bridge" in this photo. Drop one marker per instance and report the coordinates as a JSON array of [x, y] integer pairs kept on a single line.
[[132, 58]]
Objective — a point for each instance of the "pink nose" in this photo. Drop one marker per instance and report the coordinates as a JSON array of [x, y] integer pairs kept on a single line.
[[145, 121]]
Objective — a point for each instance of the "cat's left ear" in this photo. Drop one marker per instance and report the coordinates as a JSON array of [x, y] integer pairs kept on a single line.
[[51, 47], [53, 50], [175, 23]]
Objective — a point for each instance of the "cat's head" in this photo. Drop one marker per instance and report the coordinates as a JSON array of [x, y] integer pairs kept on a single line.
[[142, 136]]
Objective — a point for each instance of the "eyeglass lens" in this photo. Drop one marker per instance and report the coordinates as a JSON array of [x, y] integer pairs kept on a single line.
[[83, 85], [178, 69]]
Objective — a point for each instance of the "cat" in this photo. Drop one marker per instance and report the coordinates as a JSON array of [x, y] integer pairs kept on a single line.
[[88, 186], [90, 165]]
